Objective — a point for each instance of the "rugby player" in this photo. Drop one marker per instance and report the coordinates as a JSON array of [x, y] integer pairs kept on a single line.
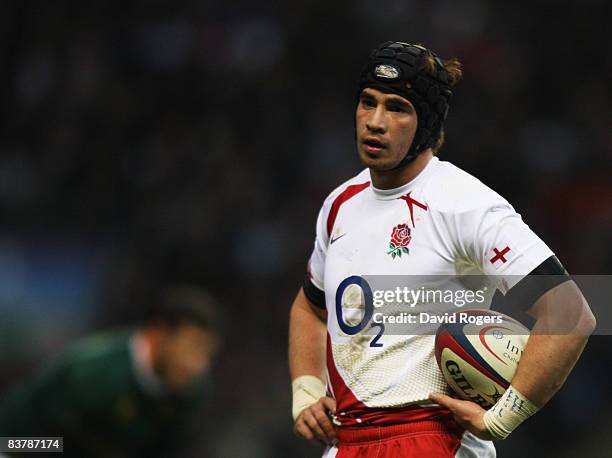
[[135, 392], [409, 213]]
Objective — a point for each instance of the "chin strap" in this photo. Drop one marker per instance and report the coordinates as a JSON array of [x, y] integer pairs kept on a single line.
[[408, 159]]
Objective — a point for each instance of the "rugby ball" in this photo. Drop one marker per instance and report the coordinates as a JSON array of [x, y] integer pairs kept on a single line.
[[478, 352]]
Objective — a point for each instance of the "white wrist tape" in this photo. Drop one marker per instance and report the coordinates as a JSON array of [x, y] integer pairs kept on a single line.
[[509, 411], [307, 390]]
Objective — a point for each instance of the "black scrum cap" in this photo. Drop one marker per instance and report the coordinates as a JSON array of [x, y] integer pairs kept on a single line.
[[396, 67]]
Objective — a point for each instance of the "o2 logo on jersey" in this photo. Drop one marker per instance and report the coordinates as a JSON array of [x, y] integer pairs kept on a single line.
[[349, 329]]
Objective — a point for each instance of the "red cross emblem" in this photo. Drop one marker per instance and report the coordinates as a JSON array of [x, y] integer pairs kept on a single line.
[[410, 202], [499, 255]]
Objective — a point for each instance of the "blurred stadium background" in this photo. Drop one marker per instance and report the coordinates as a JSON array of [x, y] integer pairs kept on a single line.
[[147, 142]]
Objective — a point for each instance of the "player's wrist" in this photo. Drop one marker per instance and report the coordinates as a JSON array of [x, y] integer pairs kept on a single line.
[[512, 409], [307, 390]]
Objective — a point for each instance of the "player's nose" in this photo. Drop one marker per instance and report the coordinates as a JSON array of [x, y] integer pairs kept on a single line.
[[376, 122]]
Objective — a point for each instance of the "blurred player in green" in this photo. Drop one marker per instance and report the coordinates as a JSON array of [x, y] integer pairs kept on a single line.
[[129, 392]]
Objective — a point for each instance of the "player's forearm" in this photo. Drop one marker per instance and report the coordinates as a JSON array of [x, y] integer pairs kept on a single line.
[[564, 322], [307, 339], [544, 367]]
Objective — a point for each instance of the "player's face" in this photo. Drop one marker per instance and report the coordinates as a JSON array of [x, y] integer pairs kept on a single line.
[[186, 353], [386, 124]]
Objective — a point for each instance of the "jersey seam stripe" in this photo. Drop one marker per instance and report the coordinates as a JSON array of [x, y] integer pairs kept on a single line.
[[348, 193]]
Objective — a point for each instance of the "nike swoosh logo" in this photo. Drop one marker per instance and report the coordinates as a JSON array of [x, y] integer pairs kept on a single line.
[[334, 239]]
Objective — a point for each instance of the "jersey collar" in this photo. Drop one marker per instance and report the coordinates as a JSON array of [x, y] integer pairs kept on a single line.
[[390, 194]]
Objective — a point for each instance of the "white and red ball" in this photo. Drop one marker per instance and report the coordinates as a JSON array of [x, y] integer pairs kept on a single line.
[[479, 352]]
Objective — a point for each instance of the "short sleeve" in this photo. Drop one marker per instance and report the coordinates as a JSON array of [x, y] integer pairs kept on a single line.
[[316, 263], [498, 241], [314, 285]]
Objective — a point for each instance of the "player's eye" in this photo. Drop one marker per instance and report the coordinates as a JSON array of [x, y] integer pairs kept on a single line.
[[397, 108], [367, 102]]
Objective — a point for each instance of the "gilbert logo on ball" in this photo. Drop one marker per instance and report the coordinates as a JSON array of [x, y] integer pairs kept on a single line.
[[479, 356]]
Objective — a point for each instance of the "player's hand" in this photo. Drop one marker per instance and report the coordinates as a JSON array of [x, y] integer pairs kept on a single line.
[[467, 413], [314, 422]]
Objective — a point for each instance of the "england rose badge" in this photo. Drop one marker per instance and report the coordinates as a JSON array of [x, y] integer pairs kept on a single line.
[[400, 238]]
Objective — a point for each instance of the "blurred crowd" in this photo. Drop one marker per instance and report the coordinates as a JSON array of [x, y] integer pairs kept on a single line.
[[151, 142]]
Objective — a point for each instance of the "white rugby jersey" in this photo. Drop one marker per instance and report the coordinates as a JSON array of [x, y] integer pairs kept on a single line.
[[443, 222]]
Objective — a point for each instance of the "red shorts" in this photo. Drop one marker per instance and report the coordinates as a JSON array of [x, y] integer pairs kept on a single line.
[[419, 439]]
